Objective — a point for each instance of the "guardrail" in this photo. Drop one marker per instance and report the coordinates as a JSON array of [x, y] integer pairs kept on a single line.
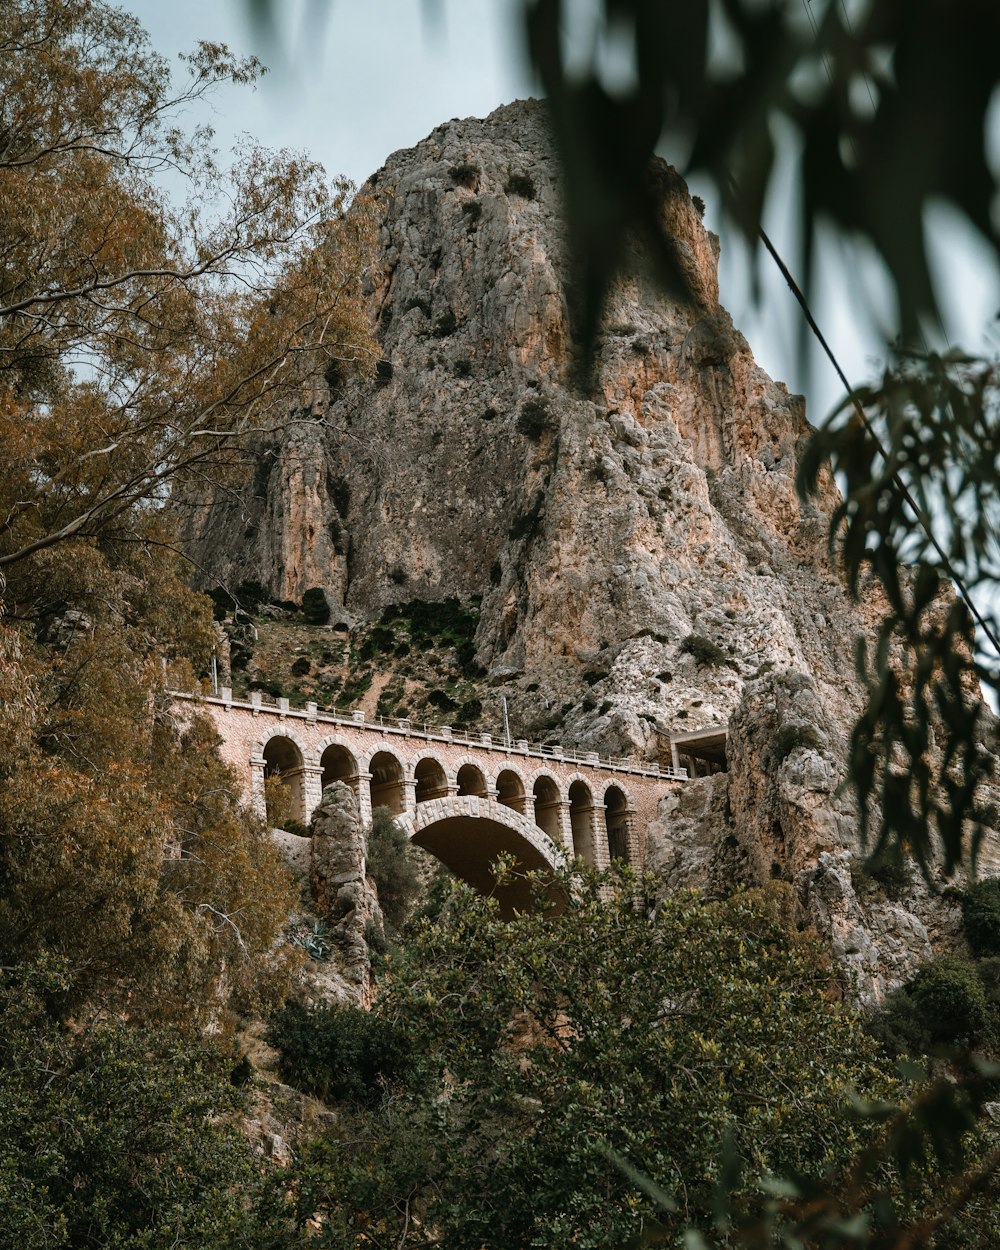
[[355, 719]]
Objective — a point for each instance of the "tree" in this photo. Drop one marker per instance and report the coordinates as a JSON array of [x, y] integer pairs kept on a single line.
[[535, 1048], [119, 1136], [390, 864], [141, 342]]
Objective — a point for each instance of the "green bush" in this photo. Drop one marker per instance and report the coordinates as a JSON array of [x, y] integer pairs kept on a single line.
[[336, 1052], [315, 606], [522, 185], [465, 175], [899, 1028], [950, 1000], [268, 685], [471, 710], [391, 867], [380, 639], [447, 622], [794, 737], [704, 650], [981, 916], [222, 603], [251, 594], [446, 324], [301, 666], [534, 419]]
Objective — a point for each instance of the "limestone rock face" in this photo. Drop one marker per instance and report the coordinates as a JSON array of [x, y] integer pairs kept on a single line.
[[341, 892], [612, 532], [601, 528]]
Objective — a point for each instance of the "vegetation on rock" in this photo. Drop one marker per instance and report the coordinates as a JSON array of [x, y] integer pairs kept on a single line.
[[537, 1048]]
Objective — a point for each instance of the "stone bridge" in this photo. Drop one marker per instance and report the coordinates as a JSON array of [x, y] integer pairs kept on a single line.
[[465, 797]]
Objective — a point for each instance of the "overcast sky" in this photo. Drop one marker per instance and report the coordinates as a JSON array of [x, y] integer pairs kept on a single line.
[[381, 74]]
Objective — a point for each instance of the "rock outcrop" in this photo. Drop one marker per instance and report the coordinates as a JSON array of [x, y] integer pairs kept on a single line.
[[643, 557], [342, 896]]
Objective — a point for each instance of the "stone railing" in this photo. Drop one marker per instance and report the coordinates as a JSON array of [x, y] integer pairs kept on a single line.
[[356, 719]]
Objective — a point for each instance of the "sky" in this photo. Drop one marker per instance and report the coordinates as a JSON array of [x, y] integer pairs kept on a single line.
[[379, 75]]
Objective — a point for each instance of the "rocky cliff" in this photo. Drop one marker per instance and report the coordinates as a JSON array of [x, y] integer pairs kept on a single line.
[[642, 555]]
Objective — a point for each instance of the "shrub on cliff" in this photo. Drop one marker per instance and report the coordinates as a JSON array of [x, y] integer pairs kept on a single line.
[[704, 650], [391, 866], [338, 1052], [981, 916]]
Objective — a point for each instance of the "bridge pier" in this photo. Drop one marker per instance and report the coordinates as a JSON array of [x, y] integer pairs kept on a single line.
[[566, 826], [257, 801], [312, 788], [361, 784]]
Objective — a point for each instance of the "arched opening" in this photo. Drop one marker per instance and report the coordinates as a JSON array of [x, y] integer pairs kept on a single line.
[[284, 795], [338, 764], [510, 790], [546, 808], [581, 819], [616, 822], [471, 781], [387, 783], [431, 781]]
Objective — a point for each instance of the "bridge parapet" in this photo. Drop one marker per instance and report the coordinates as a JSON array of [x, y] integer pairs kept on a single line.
[[393, 727]]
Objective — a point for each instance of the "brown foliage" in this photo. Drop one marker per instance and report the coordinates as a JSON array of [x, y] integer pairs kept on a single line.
[[142, 342]]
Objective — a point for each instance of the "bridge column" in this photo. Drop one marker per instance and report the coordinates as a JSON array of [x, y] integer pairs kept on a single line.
[[632, 833], [362, 785], [566, 826], [312, 788], [597, 815], [257, 803], [409, 797]]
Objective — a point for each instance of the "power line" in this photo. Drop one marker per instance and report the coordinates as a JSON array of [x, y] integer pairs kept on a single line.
[[897, 481]]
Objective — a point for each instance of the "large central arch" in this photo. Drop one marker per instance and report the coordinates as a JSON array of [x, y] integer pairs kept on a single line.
[[467, 833]]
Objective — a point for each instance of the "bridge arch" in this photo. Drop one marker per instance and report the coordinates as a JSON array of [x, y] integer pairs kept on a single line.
[[387, 785], [546, 799], [284, 757], [467, 833], [337, 760], [430, 779], [582, 823], [618, 809], [509, 786], [470, 779]]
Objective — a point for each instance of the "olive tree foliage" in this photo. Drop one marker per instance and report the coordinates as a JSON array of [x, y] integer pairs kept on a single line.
[[156, 306], [117, 1136], [918, 461], [509, 1069], [158, 309]]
